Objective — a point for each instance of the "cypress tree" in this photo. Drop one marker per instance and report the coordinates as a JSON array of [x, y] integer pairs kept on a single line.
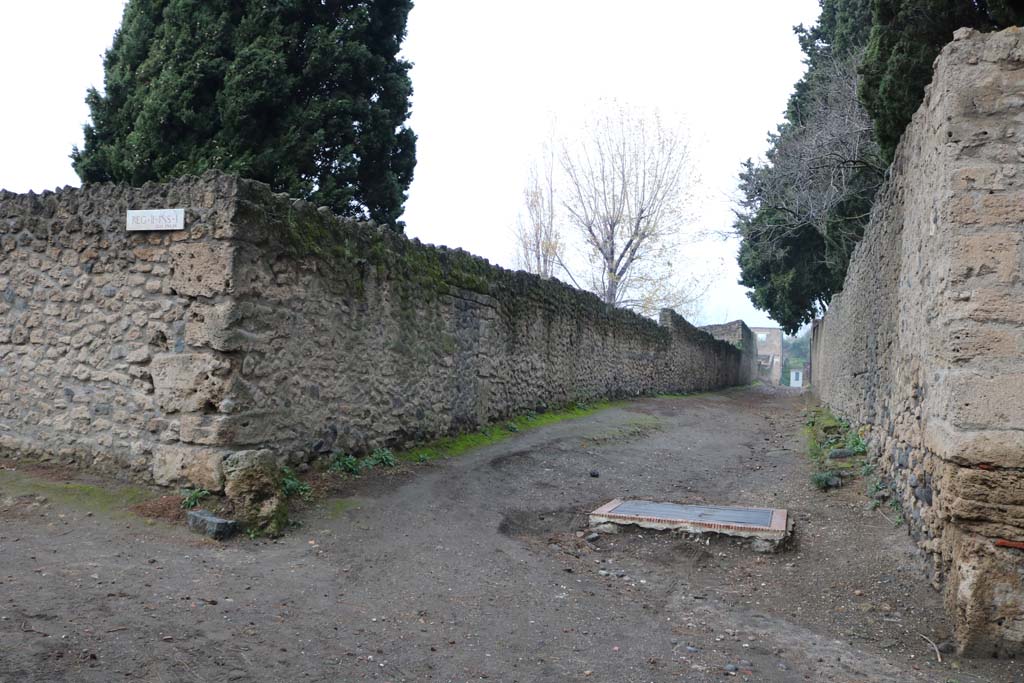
[[306, 95], [906, 37]]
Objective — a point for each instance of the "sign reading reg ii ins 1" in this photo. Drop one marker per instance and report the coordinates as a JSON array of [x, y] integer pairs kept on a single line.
[[156, 219]]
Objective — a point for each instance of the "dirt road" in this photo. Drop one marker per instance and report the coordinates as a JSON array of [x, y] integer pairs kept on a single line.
[[472, 569]]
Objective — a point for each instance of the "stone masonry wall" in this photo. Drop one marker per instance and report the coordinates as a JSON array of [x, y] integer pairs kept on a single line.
[[93, 320], [925, 344], [269, 326], [742, 337]]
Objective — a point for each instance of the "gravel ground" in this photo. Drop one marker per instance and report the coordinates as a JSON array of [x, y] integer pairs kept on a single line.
[[475, 569]]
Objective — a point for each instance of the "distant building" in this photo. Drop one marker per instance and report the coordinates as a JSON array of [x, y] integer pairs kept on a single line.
[[769, 354], [742, 337]]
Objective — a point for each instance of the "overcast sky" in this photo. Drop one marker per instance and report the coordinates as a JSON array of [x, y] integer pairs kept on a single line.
[[490, 76]]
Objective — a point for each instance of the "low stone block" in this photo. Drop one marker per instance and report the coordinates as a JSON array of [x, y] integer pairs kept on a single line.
[[206, 523], [202, 467]]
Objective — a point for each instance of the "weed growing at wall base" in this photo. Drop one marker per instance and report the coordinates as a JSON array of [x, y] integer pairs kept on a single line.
[[291, 485], [826, 434], [193, 498]]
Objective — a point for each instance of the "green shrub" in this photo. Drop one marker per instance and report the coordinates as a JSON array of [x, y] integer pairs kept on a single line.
[[855, 443], [383, 457], [349, 464], [291, 485]]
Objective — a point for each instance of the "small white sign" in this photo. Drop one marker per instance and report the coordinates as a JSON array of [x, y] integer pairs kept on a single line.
[[156, 219]]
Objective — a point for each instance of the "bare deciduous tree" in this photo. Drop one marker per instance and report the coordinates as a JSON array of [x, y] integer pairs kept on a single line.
[[538, 241], [623, 187], [825, 165]]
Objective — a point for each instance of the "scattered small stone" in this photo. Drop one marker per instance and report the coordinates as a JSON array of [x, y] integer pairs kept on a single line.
[[593, 536], [730, 668], [947, 647], [595, 474], [692, 650], [745, 664], [840, 454], [764, 545]]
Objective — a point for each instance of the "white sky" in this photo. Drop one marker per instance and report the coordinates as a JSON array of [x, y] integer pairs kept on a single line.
[[489, 77]]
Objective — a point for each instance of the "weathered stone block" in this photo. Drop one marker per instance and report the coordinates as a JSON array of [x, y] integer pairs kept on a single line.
[[206, 523], [970, 448], [186, 382], [201, 268], [993, 305], [986, 596], [976, 401], [200, 467], [988, 210], [997, 254], [226, 429], [214, 325], [254, 488], [981, 344]]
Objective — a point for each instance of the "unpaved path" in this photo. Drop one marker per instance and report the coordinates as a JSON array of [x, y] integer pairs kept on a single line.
[[472, 569]]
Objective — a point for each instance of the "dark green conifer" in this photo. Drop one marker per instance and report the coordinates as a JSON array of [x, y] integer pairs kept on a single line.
[[306, 95]]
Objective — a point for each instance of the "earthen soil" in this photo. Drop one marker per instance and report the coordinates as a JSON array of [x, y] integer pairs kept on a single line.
[[474, 569]]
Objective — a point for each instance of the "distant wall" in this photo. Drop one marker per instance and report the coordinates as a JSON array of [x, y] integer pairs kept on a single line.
[[740, 336], [925, 344], [270, 324]]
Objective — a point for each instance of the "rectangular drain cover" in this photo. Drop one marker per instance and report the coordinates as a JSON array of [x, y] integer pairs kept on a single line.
[[767, 523]]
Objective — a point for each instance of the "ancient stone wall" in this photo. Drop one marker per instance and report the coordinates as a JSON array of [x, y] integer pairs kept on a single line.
[[269, 326], [742, 337], [925, 344], [93, 320]]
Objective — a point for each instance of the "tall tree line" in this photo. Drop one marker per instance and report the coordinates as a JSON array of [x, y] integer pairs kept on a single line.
[[805, 208]]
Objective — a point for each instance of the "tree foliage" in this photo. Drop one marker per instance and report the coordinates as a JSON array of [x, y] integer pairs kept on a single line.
[[906, 36], [804, 209], [306, 95]]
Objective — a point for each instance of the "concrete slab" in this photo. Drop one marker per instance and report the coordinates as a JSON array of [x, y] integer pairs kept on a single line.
[[747, 522]]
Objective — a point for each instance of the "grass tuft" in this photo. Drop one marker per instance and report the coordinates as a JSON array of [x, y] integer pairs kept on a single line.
[[452, 446]]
